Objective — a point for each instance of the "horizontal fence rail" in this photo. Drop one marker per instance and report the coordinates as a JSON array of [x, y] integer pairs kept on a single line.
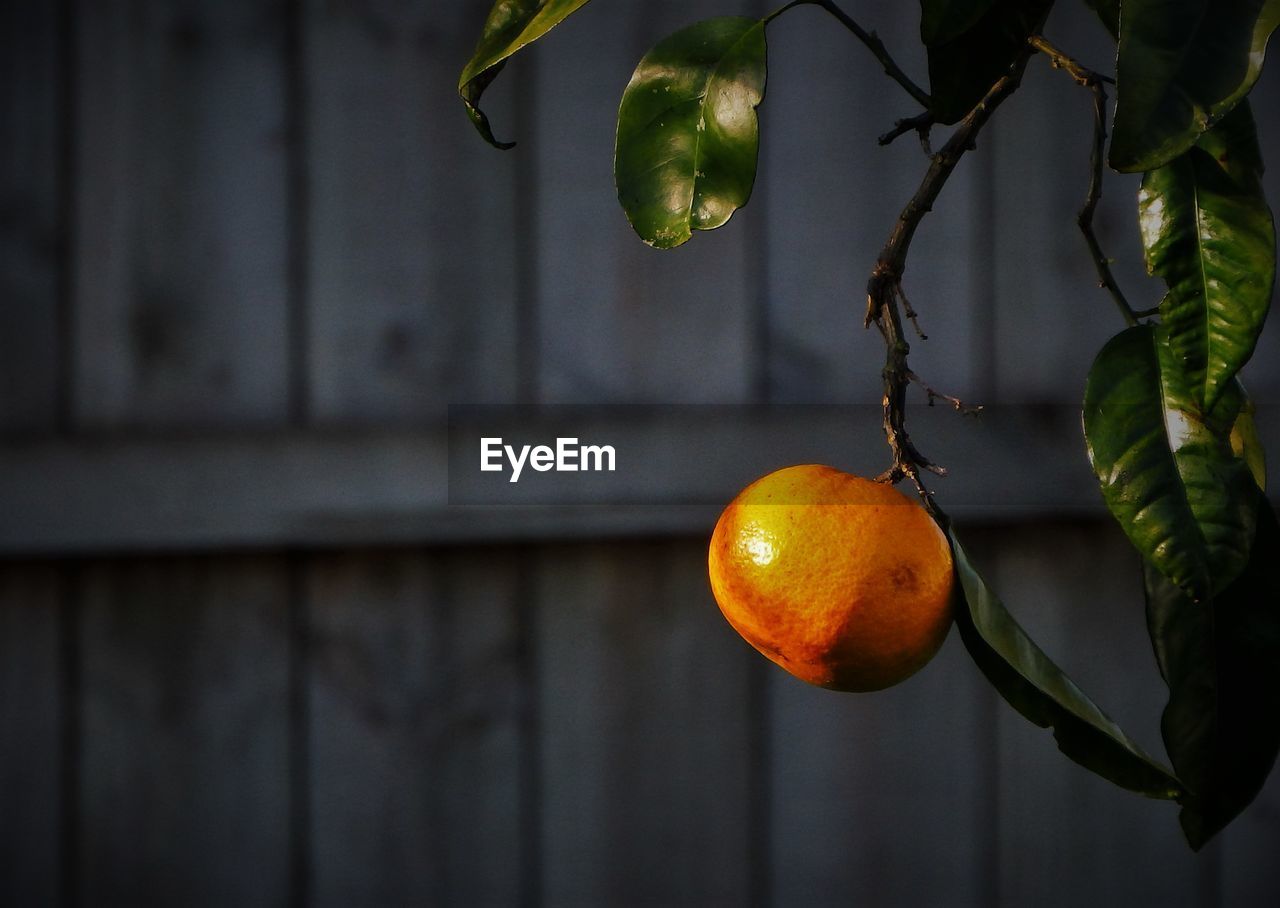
[[678, 467]]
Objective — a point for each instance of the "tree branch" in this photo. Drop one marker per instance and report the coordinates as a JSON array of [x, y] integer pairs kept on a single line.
[[884, 288], [921, 123], [933, 394], [1095, 82], [1059, 60], [875, 45]]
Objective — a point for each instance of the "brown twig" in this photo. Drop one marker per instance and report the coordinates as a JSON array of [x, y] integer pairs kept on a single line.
[[911, 314], [1095, 82], [884, 288], [1072, 67], [907, 459], [873, 43], [932, 394], [921, 123]]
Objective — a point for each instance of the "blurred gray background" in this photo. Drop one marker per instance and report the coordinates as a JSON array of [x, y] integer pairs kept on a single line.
[[251, 251]]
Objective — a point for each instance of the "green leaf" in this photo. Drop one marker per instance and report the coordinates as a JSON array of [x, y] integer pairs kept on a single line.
[[1221, 661], [1208, 232], [510, 26], [687, 131], [1168, 474], [1181, 66], [972, 43], [1042, 692], [1246, 445]]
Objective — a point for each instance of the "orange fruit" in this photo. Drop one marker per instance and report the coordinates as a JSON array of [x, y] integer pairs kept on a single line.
[[844, 582]]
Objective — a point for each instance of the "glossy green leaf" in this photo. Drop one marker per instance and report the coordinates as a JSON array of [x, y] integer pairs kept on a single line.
[[1168, 475], [1038, 689], [1181, 66], [1208, 232], [1246, 445], [964, 64], [688, 136], [1221, 661], [511, 25]]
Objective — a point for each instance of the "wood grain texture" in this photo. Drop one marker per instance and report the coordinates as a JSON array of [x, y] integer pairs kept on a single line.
[[415, 697], [181, 213], [831, 196], [1066, 837], [879, 799], [642, 693], [617, 320], [411, 257], [377, 487], [32, 70], [31, 715], [184, 726], [574, 725]]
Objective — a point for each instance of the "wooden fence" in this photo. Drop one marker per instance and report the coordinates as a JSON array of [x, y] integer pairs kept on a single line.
[[251, 251]]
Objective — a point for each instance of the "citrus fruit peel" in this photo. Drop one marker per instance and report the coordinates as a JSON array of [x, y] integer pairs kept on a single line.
[[843, 581]]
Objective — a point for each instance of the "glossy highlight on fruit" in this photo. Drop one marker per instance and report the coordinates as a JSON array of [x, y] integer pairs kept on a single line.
[[844, 582]]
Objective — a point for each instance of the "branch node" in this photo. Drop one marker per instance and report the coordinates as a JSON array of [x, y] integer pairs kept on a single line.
[[921, 124], [885, 294]]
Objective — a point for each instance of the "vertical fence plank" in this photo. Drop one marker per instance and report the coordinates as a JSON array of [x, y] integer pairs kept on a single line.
[[31, 117], [1262, 375], [645, 753], [412, 259], [1066, 836], [1250, 876], [180, 307], [877, 798], [1051, 316], [31, 673], [415, 694], [184, 731], [619, 321], [832, 194]]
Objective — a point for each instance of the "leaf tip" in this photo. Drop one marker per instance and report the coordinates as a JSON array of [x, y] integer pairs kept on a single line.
[[481, 123], [1194, 829]]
